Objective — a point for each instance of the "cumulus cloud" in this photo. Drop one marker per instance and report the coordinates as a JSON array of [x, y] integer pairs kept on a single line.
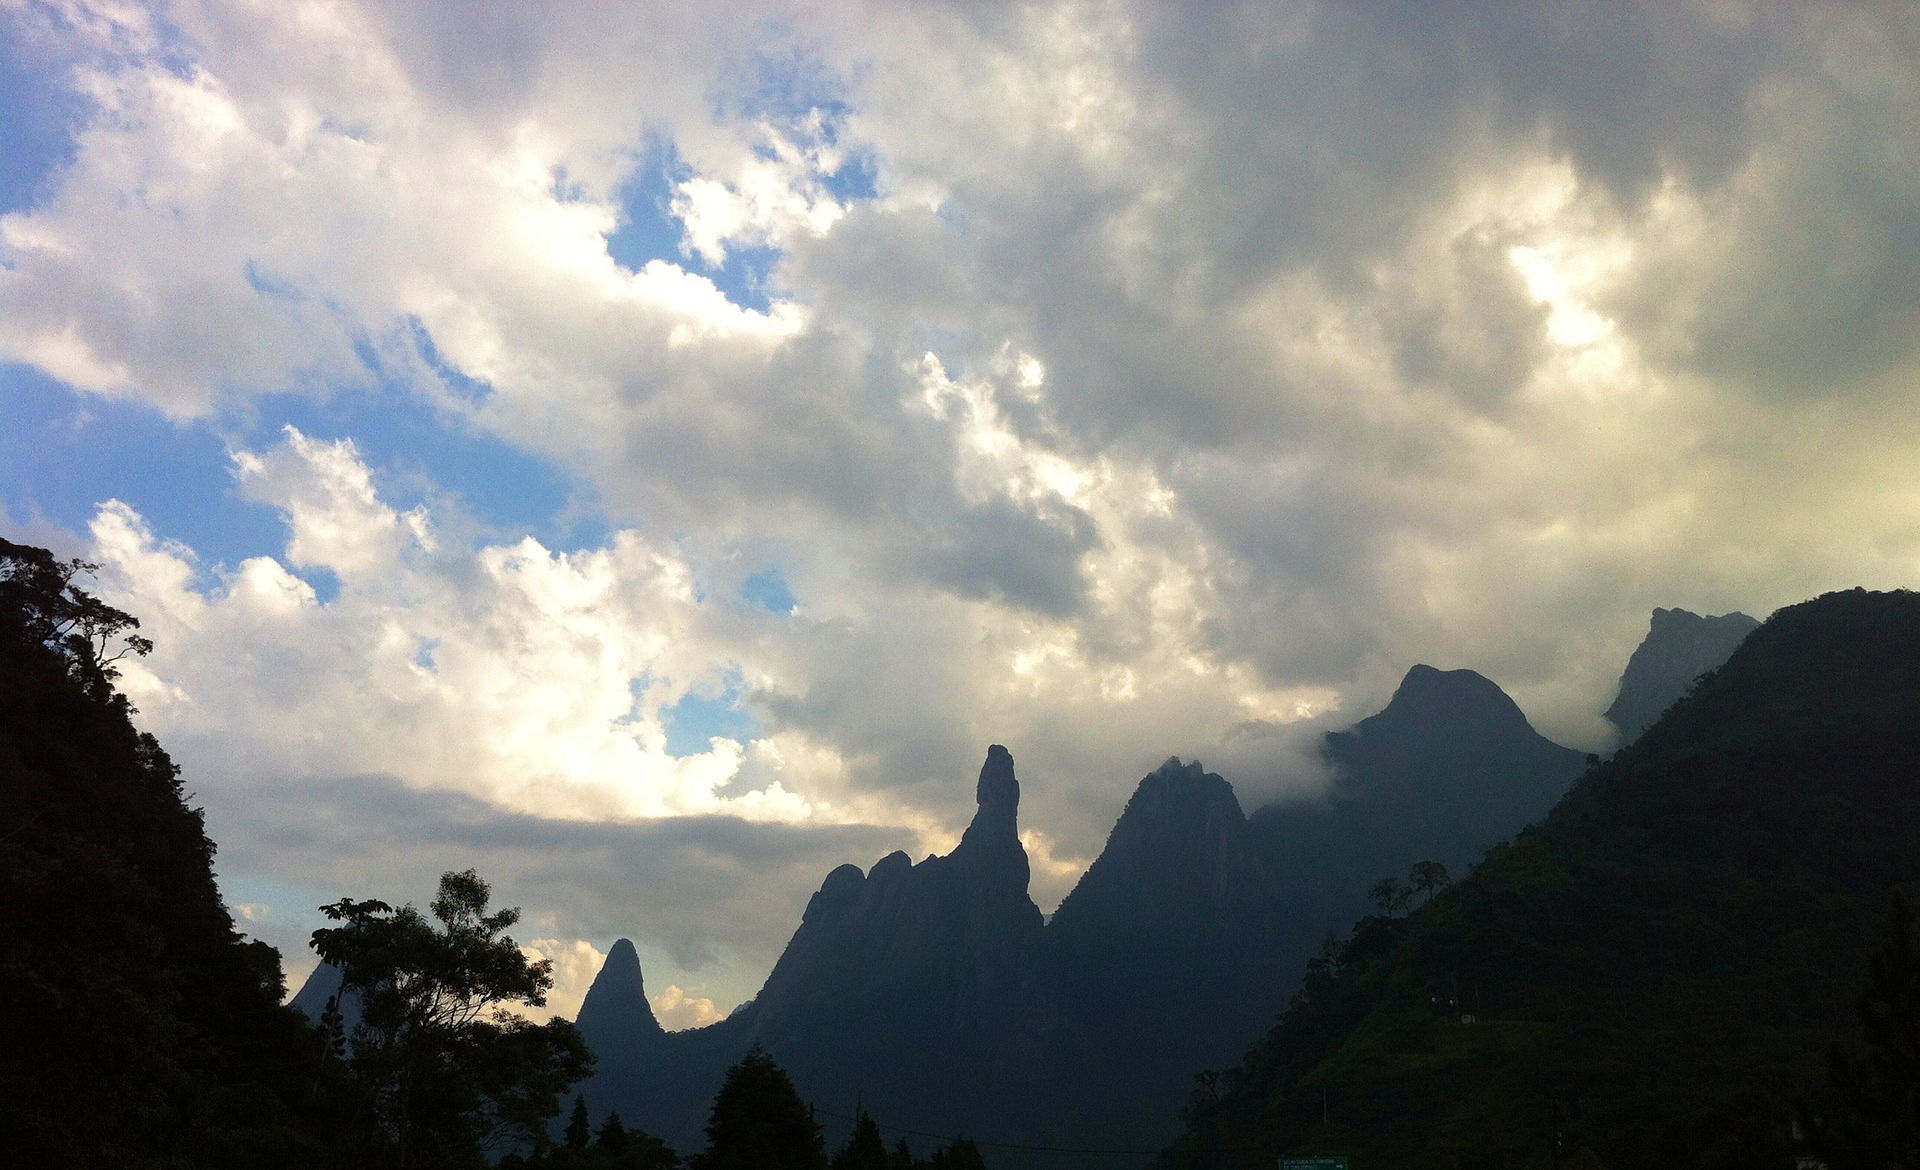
[[677, 1010], [1173, 383], [574, 964]]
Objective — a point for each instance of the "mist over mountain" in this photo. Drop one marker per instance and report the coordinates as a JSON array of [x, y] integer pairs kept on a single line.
[[1655, 972], [1679, 648], [934, 996], [1450, 767]]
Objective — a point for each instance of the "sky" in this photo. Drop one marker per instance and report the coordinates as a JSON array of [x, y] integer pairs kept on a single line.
[[647, 452]]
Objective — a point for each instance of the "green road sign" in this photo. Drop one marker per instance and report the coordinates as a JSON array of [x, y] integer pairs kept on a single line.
[[1335, 1163]]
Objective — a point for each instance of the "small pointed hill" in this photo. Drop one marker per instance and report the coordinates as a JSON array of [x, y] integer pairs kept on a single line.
[[1679, 647], [616, 1004], [619, 1026], [1448, 768], [1166, 952], [1654, 972]]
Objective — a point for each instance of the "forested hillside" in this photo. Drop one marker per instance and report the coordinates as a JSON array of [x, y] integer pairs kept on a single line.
[[140, 1029], [1654, 974]]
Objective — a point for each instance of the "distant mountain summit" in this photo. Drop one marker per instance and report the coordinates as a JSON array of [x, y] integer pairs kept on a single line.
[[1449, 767], [1433, 706], [913, 954], [616, 1003], [1679, 648], [1167, 954]]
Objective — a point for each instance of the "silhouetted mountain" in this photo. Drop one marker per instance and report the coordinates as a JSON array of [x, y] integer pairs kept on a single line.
[[1655, 971], [912, 976], [916, 990], [932, 994], [1679, 647], [637, 1059], [321, 985], [1448, 768], [616, 1004], [1166, 951]]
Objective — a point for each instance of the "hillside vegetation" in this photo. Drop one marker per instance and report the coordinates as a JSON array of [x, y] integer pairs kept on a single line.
[[140, 1028], [1653, 975]]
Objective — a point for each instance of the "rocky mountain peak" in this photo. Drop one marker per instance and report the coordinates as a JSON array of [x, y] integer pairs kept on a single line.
[[1177, 858], [998, 794], [1679, 647], [1429, 698], [617, 1001]]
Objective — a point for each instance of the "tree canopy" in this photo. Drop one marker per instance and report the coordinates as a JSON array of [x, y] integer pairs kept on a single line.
[[450, 1071], [760, 1123], [141, 1029]]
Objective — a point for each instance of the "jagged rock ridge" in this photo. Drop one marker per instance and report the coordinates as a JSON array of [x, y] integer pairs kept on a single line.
[[935, 996], [1679, 648]]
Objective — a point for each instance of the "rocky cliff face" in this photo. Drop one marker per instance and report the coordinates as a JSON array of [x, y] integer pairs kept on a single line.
[[909, 976], [1679, 647], [1166, 955]]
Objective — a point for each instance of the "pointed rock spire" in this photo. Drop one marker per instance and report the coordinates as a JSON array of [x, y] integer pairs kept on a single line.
[[998, 794], [617, 1001]]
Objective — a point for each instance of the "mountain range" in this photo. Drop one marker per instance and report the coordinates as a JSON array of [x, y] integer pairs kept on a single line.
[[936, 997]]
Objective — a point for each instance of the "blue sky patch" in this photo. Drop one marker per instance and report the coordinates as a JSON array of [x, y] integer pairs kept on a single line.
[[697, 718], [651, 231], [324, 582], [39, 114], [768, 590], [63, 453]]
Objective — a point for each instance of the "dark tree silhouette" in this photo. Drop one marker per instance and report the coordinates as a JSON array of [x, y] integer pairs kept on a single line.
[[1390, 894], [579, 1129], [449, 1070], [44, 605], [612, 1136], [760, 1123], [961, 1155], [1429, 878], [865, 1150]]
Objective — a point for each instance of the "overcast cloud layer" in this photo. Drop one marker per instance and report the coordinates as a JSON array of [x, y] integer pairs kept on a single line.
[[1109, 381]]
